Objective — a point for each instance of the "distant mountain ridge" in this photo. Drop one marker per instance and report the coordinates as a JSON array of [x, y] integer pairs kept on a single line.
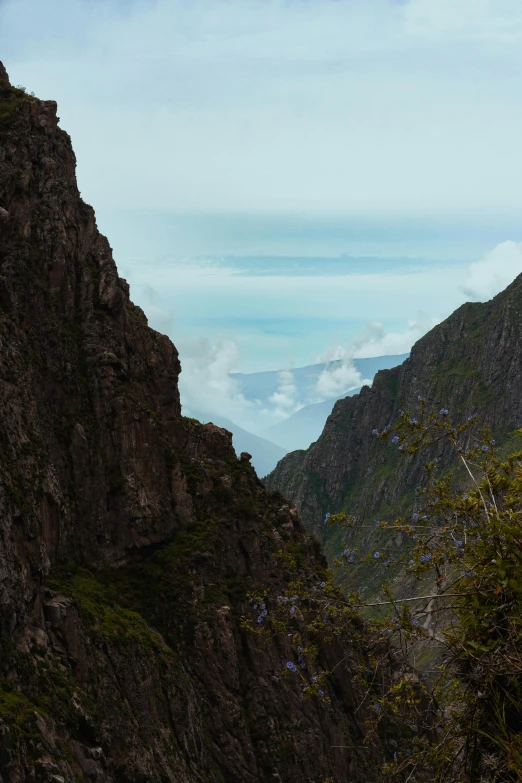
[[469, 363], [304, 426], [298, 430], [131, 537], [261, 385]]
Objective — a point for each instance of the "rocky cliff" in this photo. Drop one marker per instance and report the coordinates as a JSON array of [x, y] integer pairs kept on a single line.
[[470, 364], [130, 537]]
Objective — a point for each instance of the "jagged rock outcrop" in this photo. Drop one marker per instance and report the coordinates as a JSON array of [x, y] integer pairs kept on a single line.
[[471, 363], [130, 537]]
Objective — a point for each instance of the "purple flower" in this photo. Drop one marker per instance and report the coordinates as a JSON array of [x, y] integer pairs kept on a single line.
[[376, 708], [279, 599], [259, 619], [321, 693], [459, 543], [323, 584], [375, 432], [416, 623], [291, 665], [313, 679], [292, 610], [485, 448], [415, 516], [395, 439], [377, 555]]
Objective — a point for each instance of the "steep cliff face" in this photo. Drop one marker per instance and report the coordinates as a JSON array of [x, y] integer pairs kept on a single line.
[[130, 536], [470, 363]]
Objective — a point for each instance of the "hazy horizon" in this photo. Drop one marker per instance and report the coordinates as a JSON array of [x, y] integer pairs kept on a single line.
[[284, 181]]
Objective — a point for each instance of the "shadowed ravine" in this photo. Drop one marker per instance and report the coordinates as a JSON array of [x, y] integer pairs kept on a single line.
[[130, 536]]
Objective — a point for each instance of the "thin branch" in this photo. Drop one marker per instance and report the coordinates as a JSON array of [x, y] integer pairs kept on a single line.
[[417, 598], [477, 486]]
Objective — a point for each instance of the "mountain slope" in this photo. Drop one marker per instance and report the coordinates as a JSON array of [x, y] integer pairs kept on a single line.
[[130, 537], [261, 385], [469, 363], [305, 425], [265, 454]]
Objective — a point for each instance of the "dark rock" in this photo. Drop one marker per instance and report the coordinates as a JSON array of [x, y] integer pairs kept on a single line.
[[130, 536], [4, 78], [471, 363]]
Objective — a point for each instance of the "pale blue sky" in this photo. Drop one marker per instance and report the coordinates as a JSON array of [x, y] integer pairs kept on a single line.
[[211, 131]]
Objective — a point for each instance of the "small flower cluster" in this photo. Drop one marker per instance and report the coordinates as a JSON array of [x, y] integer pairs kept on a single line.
[[385, 431], [263, 610]]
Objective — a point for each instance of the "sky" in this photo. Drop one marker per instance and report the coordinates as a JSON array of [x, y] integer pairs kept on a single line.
[[284, 180]]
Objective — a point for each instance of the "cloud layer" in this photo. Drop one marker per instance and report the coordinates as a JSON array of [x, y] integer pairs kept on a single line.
[[494, 272], [202, 105], [206, 383]]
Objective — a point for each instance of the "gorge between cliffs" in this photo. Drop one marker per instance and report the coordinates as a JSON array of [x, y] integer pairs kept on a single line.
[[146, 569], [130, 536]]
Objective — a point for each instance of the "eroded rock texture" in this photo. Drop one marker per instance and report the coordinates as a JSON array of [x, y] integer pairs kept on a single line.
[[469, 364], [130, 536]]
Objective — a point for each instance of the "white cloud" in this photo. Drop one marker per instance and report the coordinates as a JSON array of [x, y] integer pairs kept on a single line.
[[494, 272], [339, 375], [205, 381], [376, 341], [286, 395], [206, 386]]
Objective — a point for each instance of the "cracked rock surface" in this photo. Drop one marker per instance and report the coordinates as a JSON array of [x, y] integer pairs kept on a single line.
[[131, 537]]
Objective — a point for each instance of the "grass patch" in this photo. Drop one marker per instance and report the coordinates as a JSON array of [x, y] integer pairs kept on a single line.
[[10, 100]]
